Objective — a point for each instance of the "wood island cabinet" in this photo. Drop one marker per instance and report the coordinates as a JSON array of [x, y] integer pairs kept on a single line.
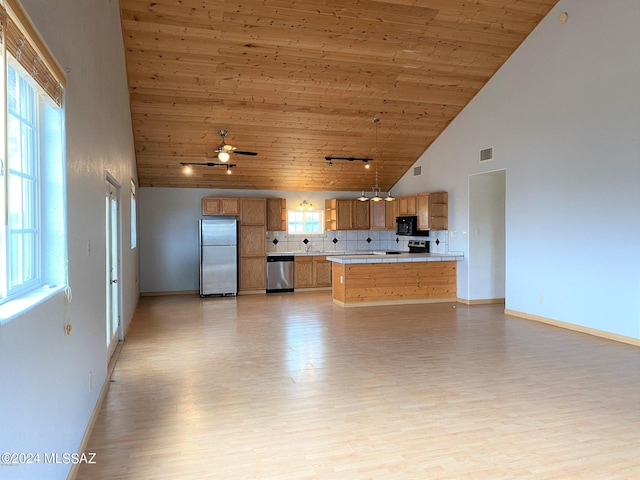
[[220, 206]]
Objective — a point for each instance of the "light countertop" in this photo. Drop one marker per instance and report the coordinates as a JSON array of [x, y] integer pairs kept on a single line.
[[378, 256]]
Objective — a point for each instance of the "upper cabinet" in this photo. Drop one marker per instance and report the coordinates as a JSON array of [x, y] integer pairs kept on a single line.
[[407, 206], [378, 215], [361, 220], [220, 206], [422, 211], [439, 211], [383, 215], [253, 211], [345, 214], [432, 211], [276, 214]]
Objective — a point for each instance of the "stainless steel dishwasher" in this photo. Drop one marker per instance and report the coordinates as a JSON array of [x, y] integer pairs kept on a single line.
[[280, 273]]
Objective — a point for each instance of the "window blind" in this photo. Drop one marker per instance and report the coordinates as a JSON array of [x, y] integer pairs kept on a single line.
[[23, 42]]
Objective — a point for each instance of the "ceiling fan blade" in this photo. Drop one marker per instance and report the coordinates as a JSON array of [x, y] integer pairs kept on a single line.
[[350, 159], [207, 164], [244, 153]]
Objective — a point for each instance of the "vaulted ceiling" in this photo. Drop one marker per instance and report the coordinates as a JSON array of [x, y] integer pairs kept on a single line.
[[299, 80]]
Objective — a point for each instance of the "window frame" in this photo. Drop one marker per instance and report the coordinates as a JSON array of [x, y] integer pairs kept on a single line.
[[27, 172], [305, 221]]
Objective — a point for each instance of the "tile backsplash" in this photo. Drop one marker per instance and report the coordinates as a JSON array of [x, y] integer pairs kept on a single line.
[[353, 240]]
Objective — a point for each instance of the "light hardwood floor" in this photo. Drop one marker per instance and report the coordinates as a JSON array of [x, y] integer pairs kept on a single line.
[[290, 386]]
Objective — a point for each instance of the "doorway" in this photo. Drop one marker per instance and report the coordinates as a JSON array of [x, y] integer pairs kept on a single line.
[[487, 242], [112, 251]]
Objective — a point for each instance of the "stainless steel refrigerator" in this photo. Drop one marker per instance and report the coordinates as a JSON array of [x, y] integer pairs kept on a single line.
[[218, 256]]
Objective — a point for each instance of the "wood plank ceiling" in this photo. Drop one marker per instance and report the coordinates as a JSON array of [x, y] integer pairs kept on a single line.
[[298, 80]]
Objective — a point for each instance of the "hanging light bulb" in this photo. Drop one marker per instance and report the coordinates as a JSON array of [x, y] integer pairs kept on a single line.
[[389, 198], [228, 170], [363, 197], [223, 156]]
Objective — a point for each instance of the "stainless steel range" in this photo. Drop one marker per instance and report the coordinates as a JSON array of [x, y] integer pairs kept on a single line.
[[418, 246]]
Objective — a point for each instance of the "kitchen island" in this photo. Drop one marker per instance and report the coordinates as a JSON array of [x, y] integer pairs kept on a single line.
[[381, 279]]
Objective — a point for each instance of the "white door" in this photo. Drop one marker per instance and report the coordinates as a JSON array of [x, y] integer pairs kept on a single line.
[[113, 266]]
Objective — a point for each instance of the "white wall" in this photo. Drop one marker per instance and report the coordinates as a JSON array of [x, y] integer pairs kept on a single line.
[[46, 403], [563, 116]]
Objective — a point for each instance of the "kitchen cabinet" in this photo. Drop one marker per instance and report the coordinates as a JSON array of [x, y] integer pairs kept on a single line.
[[383, 215], [345, 214], [253, 232], [378, 215], [361, 214], [407, 206], [330, 221], [432, 211], [312, 271], [438, 211], [253, 273], [253, 211], [252, 240], [422, 211], [392, 213], [321, 271], [220, 206], [277, 214], [304, 272]]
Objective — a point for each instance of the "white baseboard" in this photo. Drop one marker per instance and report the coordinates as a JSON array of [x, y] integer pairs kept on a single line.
[[576, 328]]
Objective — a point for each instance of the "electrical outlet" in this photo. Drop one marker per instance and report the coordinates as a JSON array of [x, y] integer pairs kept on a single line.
[[90, 381], [541, 299]]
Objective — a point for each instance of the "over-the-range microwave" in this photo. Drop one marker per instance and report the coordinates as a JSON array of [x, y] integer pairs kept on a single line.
[[408, 225]]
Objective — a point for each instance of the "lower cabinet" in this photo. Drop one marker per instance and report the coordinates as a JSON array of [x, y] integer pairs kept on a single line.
[[304, 272], [321, 271], [312, 271], [253, 273]]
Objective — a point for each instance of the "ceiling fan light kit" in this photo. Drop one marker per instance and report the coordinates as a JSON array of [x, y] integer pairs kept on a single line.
[[224, 152]]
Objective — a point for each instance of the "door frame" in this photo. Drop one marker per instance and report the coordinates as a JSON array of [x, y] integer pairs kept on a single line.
[[117, 336]]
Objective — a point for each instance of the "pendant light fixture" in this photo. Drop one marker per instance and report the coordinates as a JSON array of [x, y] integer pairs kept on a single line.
[[376, 195]]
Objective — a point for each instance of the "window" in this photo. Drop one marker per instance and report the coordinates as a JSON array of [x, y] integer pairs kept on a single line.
[[302, 222], [32, 197]]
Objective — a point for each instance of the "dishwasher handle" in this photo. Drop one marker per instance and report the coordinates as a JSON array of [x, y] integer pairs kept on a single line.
[[280, 258]]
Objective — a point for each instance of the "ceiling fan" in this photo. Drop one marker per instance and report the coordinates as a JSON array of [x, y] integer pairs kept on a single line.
[[349, 159], [224, 151]]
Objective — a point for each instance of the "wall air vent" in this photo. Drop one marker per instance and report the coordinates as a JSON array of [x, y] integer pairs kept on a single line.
[[417, 171], [486, 154]]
